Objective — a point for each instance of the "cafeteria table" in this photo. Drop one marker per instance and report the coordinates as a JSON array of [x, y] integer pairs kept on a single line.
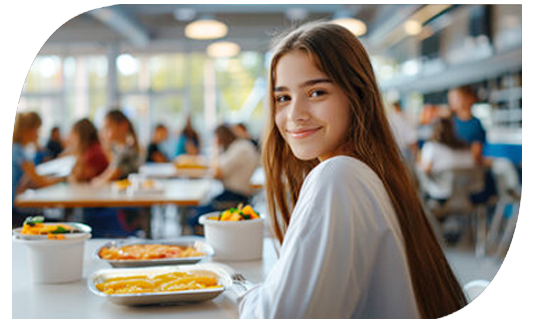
[[75, 301], [178, 192]]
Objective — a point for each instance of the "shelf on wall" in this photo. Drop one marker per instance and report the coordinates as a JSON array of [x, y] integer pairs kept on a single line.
[[456, 75], [505, 95]]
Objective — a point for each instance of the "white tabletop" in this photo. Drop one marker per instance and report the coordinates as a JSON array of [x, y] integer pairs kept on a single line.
[[75, 301], [177, 191]]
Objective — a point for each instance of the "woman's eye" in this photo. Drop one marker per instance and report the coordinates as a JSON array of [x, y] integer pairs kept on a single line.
[[317, 93], [282, 99]]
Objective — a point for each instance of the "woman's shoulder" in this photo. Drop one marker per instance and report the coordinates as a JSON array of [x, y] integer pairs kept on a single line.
[[432, 145], [343, 170]]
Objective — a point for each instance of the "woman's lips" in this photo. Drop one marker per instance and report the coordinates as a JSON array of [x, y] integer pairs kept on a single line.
[[303, 133]]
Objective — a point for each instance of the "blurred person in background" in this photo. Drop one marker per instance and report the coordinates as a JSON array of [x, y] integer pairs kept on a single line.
[[405, 133], [123, 152], [23, 171], [91, 160], [54, 144], [189, 141], [235, 161], [240, 129], [444, 151], [122, 148], [155, 153], [468, 128]]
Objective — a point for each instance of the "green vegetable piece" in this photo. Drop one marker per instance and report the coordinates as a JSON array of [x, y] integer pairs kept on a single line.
[[60, 230], [245, 216], [31, 221]]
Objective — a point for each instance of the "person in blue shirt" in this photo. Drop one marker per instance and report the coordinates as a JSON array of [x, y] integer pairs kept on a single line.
[[468, 128], [189, 141], [24, 175]]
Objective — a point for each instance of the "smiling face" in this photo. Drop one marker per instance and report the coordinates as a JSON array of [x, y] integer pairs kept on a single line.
[[311, 112]]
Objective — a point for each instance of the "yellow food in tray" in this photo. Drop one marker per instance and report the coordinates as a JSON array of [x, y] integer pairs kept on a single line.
[[237, 214], [148, 252], [167, 282], [190, 162], [121, 185]]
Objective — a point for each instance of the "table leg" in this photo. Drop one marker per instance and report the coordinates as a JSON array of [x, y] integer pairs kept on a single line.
[[481, 229], [156, 222]]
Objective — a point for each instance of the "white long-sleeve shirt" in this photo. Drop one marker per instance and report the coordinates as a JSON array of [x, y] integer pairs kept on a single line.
[[343, 254]]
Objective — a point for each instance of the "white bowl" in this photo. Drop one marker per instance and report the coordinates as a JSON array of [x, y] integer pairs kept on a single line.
[[234, 240], [55, 261]]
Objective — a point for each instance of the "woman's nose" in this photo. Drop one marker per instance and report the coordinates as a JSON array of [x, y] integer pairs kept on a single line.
[[298, 109]]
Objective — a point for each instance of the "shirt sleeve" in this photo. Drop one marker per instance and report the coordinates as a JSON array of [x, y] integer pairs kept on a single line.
[[426, 154], [316, 275]]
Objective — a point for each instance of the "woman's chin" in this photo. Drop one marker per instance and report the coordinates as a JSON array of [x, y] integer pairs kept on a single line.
[[304, 155]]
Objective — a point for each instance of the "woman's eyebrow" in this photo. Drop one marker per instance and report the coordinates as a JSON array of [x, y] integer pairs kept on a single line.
[[305, 84]]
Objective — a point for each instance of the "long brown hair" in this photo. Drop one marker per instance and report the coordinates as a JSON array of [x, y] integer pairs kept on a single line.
[[118, 117], [87, 134], [443, 132], [225, 135], [341, 56], [23, 123]]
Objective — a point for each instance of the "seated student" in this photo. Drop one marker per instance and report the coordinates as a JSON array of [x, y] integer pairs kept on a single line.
[[155, 154], [444, 151], [469, 129], [234, 165], [91, 160], [189, 141], [54, 145], [23, 171], [121, 146], [241, 131], [123, 149]]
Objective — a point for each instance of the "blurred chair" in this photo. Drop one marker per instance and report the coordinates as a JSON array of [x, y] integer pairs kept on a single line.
[[509, 191], [474, 288], [460, 184]]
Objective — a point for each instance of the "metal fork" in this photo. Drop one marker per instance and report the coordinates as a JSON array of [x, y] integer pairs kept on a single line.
[[242, 282]]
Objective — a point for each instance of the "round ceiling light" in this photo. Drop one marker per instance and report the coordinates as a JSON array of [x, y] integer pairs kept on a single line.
[[223, 50], [206, 29], [412, 27], [356, 26]]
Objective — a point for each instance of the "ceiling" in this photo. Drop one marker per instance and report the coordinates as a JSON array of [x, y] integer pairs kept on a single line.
[[154, 28]]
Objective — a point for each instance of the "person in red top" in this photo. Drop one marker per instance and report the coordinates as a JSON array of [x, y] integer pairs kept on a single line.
[[91, 159]]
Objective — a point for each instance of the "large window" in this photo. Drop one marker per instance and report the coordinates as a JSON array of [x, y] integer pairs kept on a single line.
[[151, 88]]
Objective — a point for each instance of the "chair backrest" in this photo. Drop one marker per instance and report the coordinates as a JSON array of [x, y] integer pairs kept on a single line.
[[464, 181], [505, 174]]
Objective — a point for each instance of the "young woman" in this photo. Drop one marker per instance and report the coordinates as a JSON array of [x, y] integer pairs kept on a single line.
[[91, 159], [445, 150], [23, 171], [236, 161], [122, 144], [355, 239]]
